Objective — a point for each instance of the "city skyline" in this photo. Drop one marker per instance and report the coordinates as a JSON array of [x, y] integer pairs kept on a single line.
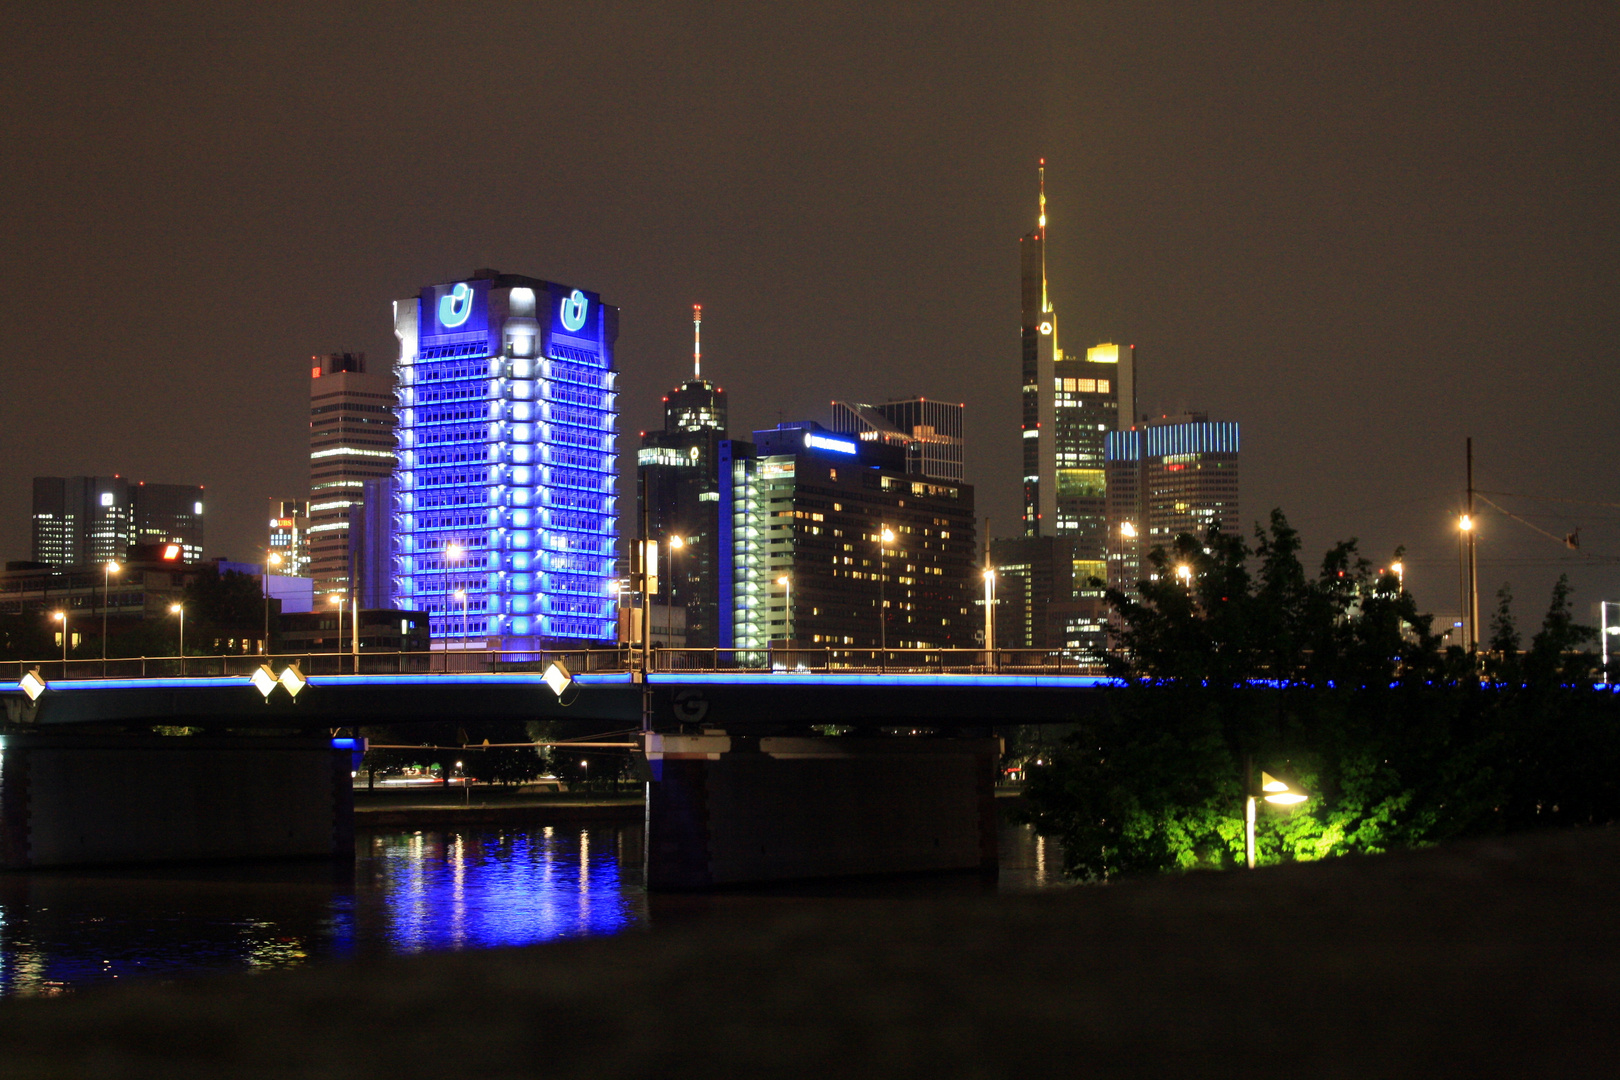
[[1346, 229]]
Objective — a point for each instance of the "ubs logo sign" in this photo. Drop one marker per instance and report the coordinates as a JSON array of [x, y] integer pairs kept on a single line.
[[572, 311], [455, 306]]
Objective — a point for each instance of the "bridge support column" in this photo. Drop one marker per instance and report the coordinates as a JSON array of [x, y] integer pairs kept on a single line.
[[733, 810], [69, 799]]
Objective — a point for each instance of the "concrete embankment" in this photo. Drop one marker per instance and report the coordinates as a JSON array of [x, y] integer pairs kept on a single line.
[[441, 808], [1486, 959]]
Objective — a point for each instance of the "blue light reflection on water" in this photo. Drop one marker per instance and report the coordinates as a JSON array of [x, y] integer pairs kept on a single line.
[[408, 892], [469, 890]]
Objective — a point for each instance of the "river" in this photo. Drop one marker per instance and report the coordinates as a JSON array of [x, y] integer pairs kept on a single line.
[[409, 892]]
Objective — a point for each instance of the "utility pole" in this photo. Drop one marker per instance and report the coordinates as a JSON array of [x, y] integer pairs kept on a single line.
[[1473, 564]]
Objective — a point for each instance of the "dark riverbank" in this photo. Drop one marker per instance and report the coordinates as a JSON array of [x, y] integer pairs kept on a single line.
[[1485, 959]]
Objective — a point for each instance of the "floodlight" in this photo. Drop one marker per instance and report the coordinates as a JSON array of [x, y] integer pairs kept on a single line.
[[1279, 793], [293, 679], [263, 679], [32, 684]]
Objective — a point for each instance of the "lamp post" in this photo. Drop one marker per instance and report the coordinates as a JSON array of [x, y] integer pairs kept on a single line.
[[337, 600], [61, 617], [676, 543], [786, 581], [1466, 524], [1184, 572], [106, 601], [989, 613], [1274, 791], [453, 553], [180, 610], [885, 538], [270, 559], [1400, 575], [461, 594]]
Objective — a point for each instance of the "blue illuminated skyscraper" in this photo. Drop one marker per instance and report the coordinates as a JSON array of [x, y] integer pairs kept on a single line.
[[507, 463]]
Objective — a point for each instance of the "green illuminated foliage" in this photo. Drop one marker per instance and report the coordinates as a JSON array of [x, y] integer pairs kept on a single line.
[[1335, 682]]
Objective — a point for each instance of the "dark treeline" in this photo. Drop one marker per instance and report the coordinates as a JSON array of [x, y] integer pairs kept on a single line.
[[1337, 683]]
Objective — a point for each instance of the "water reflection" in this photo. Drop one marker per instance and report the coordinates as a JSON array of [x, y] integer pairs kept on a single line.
[[406, 892]]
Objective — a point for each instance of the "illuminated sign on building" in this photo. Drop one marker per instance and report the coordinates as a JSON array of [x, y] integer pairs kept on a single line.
[[572, 311], [460, 308], [822, 442], [456, 305]]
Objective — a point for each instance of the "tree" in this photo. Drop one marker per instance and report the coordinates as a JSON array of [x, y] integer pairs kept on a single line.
[[222, 608], [1335, 681]]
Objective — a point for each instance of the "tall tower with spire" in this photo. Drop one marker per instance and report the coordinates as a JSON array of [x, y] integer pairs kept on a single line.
[[678, 481], [1070, 403]]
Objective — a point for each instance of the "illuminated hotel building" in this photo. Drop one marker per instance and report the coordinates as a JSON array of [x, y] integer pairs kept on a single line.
[[930, 432], [1175, 475], [83, 520], [505, 484], [1070, 403], [351, 440], [289, 537], [678, 471], [811, 506]]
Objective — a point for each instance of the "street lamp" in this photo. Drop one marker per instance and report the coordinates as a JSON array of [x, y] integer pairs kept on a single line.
[[1400, 575], [1274, 791], [61, 617], [885, 538], [989, 612], [676, 543], [337, 600], [180, 610], [786, 581], [1184, 572], [453, 553], [270, 559], [461, 594], [1127, 530], [106, 601], [1466, 523]]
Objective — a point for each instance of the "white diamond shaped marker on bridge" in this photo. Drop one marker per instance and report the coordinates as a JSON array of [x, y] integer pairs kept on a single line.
[[32, 684], [293, 679], [264, 680]]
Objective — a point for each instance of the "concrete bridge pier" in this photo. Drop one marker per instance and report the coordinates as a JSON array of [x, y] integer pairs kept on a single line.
[[733, 810], [83, 799]]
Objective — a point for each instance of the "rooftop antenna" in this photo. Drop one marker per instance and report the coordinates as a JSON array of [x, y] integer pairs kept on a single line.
[[697, 342], [1045, 306]]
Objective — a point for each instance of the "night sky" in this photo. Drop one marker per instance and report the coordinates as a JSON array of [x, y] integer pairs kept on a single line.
[[1364, 231]]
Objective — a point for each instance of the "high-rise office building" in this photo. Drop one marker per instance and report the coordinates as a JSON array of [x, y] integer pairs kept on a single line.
[[289, 537], [834, 545], [507, 466], [930, 432], [80, 520], [1177, 474], [678, 485], [1045, 598], [351, 440], [1069, 404]]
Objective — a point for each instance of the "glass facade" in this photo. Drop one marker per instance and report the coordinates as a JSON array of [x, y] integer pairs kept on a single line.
[[505, 514]]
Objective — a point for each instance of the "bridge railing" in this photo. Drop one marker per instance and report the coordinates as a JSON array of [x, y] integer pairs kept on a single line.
[[760, 660]]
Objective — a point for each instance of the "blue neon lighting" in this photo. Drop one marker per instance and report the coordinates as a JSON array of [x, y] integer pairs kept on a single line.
[[896, 680], [345, 744], [822, 442], [456, 305], [572, 312], [507, 478]]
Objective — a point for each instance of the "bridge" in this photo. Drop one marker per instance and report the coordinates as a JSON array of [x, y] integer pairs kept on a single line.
[[743, 786], [953, 689]]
